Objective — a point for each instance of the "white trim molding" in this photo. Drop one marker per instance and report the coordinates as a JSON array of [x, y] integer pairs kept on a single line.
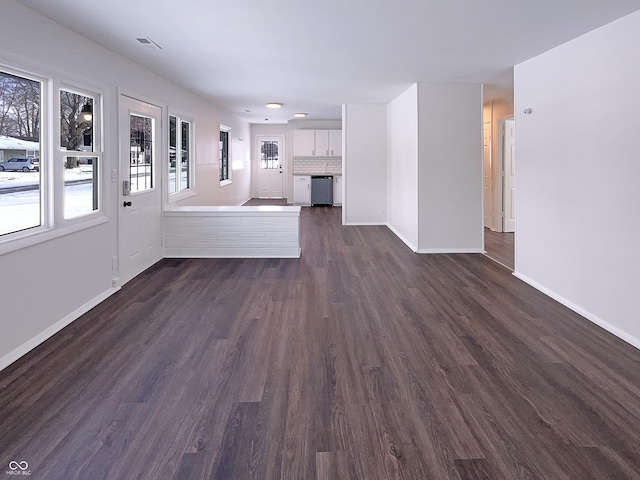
[[631, 340]]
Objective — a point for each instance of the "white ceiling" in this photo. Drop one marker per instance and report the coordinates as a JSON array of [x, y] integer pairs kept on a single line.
[[315, 56]]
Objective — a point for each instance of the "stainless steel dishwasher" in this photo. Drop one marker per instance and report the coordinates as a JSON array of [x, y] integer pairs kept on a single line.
[[322, 190]]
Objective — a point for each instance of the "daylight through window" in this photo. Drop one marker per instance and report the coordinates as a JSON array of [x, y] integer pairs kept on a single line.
[[20, 136], [179, 161], [76, 140], [224, 154]]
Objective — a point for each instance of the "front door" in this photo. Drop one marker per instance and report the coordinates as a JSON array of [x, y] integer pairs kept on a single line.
[[270, 155], [140, 192]]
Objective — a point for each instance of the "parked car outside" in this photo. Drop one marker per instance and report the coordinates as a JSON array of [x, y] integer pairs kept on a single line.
[[24, 164]]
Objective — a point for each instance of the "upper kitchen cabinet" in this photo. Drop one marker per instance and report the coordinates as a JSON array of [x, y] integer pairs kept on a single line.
[[317, 143], [304, 143], [322, 143], [335, 143]]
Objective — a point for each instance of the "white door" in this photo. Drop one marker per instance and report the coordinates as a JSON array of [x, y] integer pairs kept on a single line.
[[270, 157], [487, 173], [509, 193], [140, 191]]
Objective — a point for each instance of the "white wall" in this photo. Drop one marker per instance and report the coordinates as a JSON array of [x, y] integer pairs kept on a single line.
[[578, 173], [450, 168], [402, 167], [69, 274], [364, 166]]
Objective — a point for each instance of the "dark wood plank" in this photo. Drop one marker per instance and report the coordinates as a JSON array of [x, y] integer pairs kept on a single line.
[[360, 360], [500, 247]]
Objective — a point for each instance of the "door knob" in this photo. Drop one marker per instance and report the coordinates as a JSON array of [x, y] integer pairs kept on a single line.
[[126, 204]]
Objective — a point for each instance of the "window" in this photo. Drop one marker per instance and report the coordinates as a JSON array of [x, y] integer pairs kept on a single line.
[[225, 177], [180, 157], [50, 163], [21, 188], [81, 167]]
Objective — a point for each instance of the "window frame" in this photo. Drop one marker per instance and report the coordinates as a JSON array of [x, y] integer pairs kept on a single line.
[[228, 179], [59, 155], [53, 224], [189, 191]]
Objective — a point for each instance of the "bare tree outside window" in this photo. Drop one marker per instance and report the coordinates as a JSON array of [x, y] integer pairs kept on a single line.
[[19, 107], [76, 132], [20, 100]]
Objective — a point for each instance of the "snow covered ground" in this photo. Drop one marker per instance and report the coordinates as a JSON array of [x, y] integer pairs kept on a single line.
[[21, 210], [19, 179]]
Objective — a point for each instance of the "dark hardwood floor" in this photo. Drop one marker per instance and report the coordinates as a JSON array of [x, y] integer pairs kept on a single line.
[[360, 360], [500, 247], [265, 201]]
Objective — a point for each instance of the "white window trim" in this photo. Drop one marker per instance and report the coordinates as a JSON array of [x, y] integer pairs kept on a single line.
[[190, 191], [53, 224], [59, 155], [229, 180]]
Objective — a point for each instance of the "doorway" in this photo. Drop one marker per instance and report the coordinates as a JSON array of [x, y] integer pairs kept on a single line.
[[499, 236], [140, 193], [270, 160]]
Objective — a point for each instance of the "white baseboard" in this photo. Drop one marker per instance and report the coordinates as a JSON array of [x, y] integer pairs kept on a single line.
[[401, 237], [29, 345], [630, 339], [451, 250], [365, 224]]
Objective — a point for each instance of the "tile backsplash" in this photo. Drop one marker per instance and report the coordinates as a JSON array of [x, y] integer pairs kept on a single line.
[[317, 165]]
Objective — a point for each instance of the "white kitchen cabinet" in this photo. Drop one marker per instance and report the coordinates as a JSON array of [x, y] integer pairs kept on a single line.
[[337, 189], [335, 143], [302, 190], [317, 143], [322, 143], [304, 143]]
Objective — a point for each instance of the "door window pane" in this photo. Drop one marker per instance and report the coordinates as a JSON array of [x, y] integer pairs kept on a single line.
[[269, 155], [20, 177], [142, 155]]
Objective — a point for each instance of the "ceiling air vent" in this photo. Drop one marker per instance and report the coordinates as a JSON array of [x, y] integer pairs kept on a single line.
[[148, 43]]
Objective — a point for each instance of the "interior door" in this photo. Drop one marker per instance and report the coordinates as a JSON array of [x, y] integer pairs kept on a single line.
[[140, 192], [509, 185], [486, 185], [270, 156]]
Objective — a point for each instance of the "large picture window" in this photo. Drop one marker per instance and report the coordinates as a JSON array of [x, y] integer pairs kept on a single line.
[[21, 192], [180, 154], [50, 164]]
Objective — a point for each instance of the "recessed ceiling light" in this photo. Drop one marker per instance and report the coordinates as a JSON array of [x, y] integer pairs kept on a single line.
[[274, 105], [300, 115]]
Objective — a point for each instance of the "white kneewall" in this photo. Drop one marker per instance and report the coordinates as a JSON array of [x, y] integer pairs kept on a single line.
[[450, 168], [364, 166], [578, 168]]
